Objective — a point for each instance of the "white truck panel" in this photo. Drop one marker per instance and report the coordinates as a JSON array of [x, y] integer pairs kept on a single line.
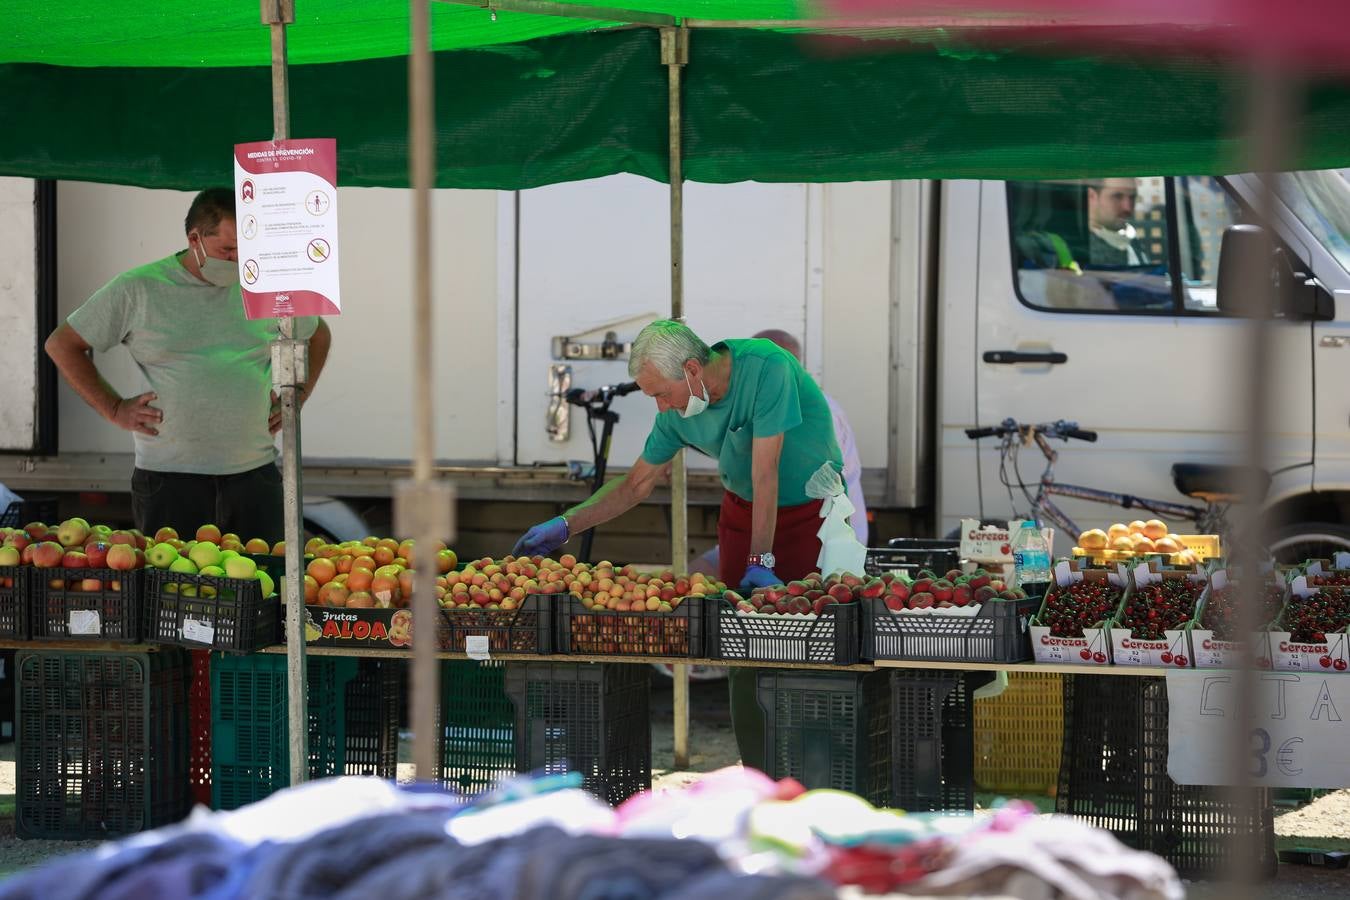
[[18, 300]]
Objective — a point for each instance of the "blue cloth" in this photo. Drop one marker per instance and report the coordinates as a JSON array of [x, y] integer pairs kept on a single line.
[[543, 539]]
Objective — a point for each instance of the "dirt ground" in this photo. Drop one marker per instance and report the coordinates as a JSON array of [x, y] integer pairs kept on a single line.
[[1324, 823]]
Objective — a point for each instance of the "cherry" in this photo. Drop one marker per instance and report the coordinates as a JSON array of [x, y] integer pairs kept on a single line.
[[1085, 653], [1181, 661], [1324, 662], [1166, 658], [1340, 665], [1099, 656]]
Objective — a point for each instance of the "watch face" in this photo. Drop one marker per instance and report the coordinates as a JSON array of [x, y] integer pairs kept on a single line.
[[767, 560]]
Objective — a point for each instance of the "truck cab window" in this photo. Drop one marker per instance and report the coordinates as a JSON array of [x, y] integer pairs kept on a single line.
[[1092, 245], [1204, 210]]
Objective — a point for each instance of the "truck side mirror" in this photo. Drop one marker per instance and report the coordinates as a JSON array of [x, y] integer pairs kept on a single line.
[[1297, 295]]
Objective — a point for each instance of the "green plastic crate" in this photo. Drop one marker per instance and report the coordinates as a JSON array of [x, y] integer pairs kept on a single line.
[[478, 725], [102, 743], [250, 738]]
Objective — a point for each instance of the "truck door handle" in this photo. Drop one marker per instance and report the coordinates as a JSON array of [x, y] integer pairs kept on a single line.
[[1009, 357]]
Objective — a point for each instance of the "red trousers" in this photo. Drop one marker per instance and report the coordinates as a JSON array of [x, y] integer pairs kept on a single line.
[[795, 545]]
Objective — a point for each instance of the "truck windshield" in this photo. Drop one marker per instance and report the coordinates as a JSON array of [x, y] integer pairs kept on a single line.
[[1321, 200]]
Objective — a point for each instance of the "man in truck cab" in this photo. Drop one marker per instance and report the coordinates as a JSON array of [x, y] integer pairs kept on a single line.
[[204, 431], [752, 407], [1112, 239]]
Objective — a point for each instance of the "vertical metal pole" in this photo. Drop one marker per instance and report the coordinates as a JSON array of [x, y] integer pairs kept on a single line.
[[1272, 94], [423, 507], [277, 14], [674, 55]]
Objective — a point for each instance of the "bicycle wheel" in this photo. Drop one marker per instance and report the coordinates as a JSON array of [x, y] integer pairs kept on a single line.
[[1309, 540]]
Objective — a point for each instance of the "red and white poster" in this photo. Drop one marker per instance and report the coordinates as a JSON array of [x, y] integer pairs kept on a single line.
[[286, 218]]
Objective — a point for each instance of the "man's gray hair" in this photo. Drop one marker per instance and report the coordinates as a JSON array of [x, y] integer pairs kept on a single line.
[[667, 345]]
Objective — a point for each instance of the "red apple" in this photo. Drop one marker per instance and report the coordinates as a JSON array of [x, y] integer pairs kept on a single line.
[[74, 559], [48, 555], [18, 540], [97, 552], [121, 557], [89, 585], [122, 537]]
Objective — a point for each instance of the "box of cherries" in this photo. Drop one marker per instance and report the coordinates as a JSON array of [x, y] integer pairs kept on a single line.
[[1074, 620], [1153, 624], [1311, 633], [1215, 641]]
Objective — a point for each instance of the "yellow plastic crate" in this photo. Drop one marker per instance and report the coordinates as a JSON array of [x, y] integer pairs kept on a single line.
[[1204, 546], [1019, 736]]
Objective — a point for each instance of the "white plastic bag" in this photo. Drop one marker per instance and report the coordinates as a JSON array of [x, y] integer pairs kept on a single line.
[[840, 549]]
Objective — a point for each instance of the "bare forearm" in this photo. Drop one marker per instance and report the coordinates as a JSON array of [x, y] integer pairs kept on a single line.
[[83, 376], [764, 519], [319, 344]]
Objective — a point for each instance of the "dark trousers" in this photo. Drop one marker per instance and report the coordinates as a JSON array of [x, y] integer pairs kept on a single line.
[[796, 547], [248, 504]]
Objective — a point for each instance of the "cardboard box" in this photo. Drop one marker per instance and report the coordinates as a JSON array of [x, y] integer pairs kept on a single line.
[[1174, 649], [1212, 653], [991, 545], [378, 628], [1095, 642], [1332, 655]]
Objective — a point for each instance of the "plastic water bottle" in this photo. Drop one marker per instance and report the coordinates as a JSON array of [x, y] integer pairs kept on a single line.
[[1031, 556]]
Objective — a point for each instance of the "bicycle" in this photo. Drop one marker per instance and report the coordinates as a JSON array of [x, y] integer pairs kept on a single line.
[[1211, 483]]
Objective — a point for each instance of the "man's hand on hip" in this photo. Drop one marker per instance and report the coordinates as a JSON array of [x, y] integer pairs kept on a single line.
[[136, 414]]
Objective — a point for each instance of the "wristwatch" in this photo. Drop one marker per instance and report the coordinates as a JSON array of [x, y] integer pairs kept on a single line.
[[761, 559]]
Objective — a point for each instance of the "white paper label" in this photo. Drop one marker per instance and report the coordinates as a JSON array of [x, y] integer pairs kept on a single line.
[[84, 621], [199, 631], [476, 646]]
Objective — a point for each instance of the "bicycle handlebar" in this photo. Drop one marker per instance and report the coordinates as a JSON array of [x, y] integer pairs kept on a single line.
[[1059, 429]]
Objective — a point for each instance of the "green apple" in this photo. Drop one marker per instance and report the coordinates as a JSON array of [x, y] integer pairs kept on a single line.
[[213, 571], [183, 565], [266, 581], [204, 554], [240, 567], [227, 554], [161, 556], [9, 556]]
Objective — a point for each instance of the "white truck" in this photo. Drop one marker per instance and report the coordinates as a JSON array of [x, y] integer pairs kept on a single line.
[[925, 308]]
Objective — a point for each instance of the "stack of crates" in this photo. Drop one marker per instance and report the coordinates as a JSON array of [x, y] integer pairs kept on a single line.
[[476, 738], [1114, 775], [102, 746]]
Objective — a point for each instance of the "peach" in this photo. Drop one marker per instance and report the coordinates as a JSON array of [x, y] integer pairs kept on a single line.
[[209, 533], [256, 547], [323, 570], [360, 600]]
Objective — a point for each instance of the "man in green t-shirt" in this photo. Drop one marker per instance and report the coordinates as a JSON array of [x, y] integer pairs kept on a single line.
[[752, 407], [204, 430]]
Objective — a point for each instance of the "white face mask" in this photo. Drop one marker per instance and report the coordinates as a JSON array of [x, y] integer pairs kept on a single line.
[[695, 405], [219, 272]]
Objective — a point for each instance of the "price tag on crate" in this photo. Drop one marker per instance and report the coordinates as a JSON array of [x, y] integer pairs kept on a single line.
[[476, 646], [84, 621], [198, 630]]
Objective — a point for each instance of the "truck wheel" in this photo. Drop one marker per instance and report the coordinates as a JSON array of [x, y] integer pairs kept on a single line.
[[1309, 540]]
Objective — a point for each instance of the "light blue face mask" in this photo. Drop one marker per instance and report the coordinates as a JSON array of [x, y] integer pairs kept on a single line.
[[695, 405], [219, 272]]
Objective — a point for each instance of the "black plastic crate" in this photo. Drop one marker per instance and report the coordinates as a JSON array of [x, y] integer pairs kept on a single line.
[[933, 739], [909, 555], [199, 728], [62, 613], [250, 744], [590, 718], [102, 746], [371, 718], [9, 677], [527, 629], [16, 600], [1113, 773], [999, 632], [477, 730], [830, 638], [204, 612], [31, 509], [828, 730], [606, 632]]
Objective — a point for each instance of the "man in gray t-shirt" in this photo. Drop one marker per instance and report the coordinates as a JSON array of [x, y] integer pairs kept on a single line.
[[204, 431]]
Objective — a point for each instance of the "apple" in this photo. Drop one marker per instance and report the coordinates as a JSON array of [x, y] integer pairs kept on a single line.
[[74, 559], [18, 540], [48, 554], [97, 551], [165, 534], [121, 557], [9, 556], [204, 553], [122, 537], [183, 565], [73, 532], [161, 556], [213, 571], [100, 531], [240, 567], [88, 585]]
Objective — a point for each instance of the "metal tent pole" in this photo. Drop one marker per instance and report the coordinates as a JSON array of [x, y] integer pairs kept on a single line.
[[423, 507], [290, 370], [674, 56]]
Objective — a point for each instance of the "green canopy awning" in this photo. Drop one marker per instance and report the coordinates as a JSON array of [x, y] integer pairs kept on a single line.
[[156, 93]]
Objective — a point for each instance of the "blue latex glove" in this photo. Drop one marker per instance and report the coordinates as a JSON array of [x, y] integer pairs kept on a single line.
[[543, 539], [757, 576]]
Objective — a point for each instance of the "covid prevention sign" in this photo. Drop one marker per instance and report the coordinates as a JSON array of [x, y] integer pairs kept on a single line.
[[286, 208], [1297, 735]]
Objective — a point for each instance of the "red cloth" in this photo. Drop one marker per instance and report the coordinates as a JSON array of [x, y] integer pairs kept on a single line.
[[795, 544]]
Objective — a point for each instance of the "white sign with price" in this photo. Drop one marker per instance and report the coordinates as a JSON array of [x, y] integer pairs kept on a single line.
[[1298, 730]]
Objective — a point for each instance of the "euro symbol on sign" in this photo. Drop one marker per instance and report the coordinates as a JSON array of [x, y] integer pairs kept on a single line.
[[1284, 757]]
